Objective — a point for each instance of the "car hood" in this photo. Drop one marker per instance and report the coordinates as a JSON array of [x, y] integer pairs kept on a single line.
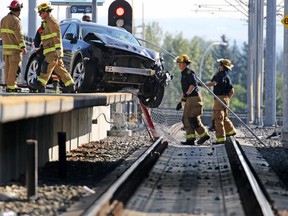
[[118, 44]]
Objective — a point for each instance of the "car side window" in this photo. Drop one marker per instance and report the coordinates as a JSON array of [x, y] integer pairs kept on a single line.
[[71, 30], [63, 28]]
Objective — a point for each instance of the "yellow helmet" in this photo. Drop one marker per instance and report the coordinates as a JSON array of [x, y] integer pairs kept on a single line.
[[44, 7], [183, 58], [226, 63]]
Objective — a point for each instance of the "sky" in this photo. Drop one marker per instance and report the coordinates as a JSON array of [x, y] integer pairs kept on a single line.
[[208, 19]]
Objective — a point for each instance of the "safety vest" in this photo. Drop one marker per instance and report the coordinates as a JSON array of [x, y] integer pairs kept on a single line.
[[11, 34], [51, 36]]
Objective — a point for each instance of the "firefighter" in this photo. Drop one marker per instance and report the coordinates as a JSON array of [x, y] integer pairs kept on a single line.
[[39, 48], [53, 52], [193, 107], [13, 45], [223, 89], [86, 18], [40, 58]]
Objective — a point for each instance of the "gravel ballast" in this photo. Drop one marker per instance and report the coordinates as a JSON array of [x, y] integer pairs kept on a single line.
[[86, 167]]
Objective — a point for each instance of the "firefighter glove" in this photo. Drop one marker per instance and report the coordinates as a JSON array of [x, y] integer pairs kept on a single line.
[[179, 106], [58, 53]]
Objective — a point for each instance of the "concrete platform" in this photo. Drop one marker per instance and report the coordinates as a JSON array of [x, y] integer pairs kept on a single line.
[[41, 117], [16, 106]]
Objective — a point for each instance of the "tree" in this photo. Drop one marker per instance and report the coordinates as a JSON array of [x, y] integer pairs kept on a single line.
[[153, 34]]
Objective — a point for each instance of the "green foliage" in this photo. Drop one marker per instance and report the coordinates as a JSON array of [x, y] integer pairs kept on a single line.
[[153, 34], [279, 94], [238, 102]]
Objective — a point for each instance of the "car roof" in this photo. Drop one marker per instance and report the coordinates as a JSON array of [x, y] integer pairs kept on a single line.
[[79, 22]]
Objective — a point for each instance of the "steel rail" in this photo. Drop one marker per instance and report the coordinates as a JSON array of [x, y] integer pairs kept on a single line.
[[262, 197], [102, 206]]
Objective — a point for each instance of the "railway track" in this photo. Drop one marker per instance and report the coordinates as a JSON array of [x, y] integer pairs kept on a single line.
[[170, 179]]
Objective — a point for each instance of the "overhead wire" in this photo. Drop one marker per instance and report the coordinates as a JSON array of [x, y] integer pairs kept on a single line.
[[245, 14]]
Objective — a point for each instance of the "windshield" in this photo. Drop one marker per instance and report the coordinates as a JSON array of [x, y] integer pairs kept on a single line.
[[110, 32]]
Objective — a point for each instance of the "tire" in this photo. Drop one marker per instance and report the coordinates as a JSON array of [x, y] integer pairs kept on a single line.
[[155, 100], [31, 72], [83, 77]]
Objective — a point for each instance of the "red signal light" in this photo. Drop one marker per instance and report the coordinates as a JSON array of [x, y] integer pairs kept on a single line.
[[120, 14], [120, 11]]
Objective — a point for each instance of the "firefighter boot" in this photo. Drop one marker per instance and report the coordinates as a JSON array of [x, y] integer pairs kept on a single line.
[[37, 85], [69, 89], [203, 139], [14, 89], [189, 142]]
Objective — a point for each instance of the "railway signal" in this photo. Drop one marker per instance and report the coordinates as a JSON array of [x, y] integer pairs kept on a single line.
[[120, 14]]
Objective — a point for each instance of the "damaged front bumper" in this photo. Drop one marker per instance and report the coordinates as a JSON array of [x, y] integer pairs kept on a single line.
[[127, 70]]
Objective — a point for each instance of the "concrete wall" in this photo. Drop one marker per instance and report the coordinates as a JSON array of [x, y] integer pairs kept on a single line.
[[77, 124]]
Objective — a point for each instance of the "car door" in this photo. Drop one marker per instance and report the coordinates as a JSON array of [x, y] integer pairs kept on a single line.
[[70, 38]]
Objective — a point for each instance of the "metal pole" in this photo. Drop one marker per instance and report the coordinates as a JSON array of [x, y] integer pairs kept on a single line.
[[133, 23], [68, 12], [31, 168], [151, 130], [259, 62], [270, 65], [62, 154], [143, 22], [285, 100], [251, 62], [32, 15], [94, 11], [204, 54]]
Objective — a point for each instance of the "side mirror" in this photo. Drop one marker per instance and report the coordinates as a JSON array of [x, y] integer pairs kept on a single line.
[[69, 36]]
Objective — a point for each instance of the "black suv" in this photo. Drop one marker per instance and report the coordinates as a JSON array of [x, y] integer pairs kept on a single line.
[[105, 58]]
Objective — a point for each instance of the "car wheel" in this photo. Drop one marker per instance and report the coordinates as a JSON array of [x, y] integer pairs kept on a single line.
[[155, 100], [83, 78], [31, 73]]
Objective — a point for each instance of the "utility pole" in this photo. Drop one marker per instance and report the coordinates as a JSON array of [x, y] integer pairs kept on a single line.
[[32, 18], [258, 88], [251, 61], [285, 101], [94, 11], [68, 12], [270, 65]]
